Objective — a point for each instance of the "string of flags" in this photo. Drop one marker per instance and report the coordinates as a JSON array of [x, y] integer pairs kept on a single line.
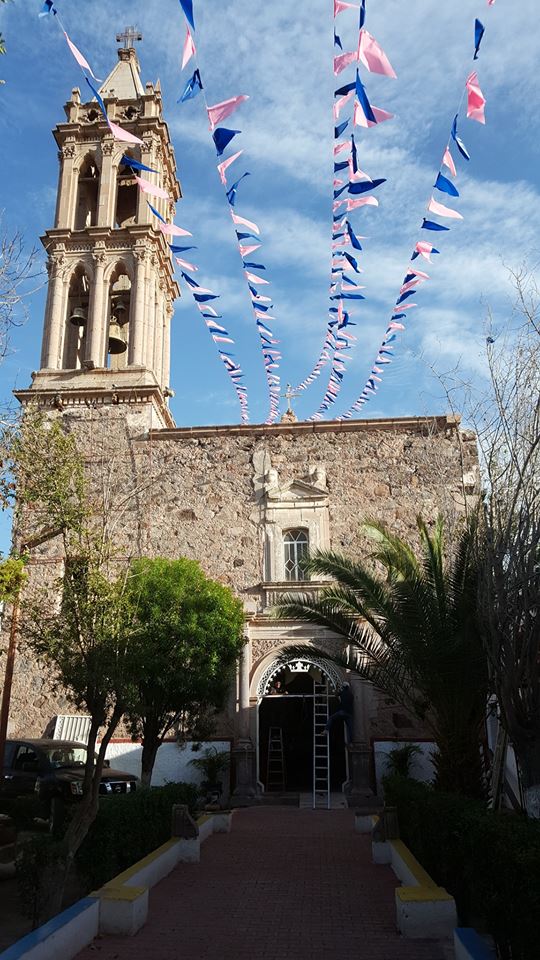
[[414, 278], [359, 187], [201, 295], [248, 234]]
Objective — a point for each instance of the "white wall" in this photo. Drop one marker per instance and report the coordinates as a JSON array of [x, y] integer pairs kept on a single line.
[[422, 767], [172, 761]]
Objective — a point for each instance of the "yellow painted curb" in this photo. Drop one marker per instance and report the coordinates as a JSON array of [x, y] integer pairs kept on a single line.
[[420, 875], [424, 894], [129, 894], [135, 867]]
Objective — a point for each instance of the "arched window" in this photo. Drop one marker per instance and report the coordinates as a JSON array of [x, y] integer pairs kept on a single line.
[[86, 210], [296, 549], [126, 197], [119, 311], [76, 319]]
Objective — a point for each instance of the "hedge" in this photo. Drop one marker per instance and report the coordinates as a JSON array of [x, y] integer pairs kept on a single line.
[[489, 862], [129, 827]]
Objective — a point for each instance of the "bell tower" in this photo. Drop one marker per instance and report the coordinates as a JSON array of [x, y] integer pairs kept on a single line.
[[107, 327]]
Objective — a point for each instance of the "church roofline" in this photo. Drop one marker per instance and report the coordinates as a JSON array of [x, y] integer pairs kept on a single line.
[[442, 422]]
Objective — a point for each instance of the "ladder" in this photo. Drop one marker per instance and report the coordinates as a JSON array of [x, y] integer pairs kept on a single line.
[[275, 764], [321, 747]]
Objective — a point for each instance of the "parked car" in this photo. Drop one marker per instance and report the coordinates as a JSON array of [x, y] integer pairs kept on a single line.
[[54, 769]]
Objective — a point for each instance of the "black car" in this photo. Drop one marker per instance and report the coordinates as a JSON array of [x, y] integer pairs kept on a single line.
[[54, 769]]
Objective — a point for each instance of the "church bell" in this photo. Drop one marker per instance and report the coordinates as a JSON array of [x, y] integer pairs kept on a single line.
[[78, 317], [117, 338]]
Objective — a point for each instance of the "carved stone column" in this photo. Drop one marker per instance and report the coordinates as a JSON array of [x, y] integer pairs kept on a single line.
[[97, 320], [137, 332], [55, 318], [158, 334], [67, 187], [150, 314], [244, 754], [107, 184], [168, 315], [358, 789]]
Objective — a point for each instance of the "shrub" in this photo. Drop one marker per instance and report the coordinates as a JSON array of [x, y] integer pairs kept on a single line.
[[489, 862], [127, 828]]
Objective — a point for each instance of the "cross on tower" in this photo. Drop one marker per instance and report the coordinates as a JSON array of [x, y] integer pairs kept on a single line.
[[288, 396], [128, 37]]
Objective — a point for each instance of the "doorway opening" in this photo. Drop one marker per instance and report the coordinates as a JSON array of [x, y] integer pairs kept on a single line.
[[295, 754]]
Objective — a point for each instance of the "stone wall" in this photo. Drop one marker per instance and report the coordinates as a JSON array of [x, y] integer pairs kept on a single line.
[[197, 492]]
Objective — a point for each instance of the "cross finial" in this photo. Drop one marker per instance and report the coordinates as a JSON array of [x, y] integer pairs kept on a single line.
[[288, 396], [128, 37]]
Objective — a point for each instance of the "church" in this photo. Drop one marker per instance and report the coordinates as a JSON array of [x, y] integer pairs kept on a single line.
[[247, 501]]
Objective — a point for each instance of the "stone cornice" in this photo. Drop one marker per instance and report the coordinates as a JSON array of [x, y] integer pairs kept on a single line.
[[65, 396], [421, 425]]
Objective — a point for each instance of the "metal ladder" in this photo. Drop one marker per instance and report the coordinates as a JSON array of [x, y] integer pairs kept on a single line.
[[275, 764], [321, 748]]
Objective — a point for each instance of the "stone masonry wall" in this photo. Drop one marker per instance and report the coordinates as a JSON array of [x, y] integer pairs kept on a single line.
[[191, 492]]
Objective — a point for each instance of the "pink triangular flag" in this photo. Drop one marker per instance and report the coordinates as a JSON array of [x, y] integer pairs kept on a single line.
[[189, 49], [338, 182], [448, 161], [380, 116], [80, 58], [171, 230], [253, 278], [424, 249], [245, 223], [245, 251], [359, 175], [476, 100], [360, 119], [373, 56], [343, 61], [441, 211], [340, 147], [151, 189], [339, 104], [339, 6], [185, 264], [222, 167], [123, 135], [220, 111], [362, 202], [418, 273]]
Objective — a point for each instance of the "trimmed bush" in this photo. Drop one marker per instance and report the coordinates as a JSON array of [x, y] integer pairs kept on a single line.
[[127, 828], [489, 862]]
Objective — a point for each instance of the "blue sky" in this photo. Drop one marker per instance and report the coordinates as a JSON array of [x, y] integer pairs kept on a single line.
[[281, 55]]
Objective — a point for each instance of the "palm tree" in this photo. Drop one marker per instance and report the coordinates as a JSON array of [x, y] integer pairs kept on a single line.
[[414, 634]]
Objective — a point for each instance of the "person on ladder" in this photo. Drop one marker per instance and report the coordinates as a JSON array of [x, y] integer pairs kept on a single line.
[[345, 712]]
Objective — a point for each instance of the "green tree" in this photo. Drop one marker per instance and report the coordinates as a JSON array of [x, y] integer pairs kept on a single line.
[[187, 637], [414, 634]]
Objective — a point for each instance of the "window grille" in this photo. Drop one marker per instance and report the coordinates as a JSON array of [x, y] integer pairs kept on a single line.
[[296, 547]]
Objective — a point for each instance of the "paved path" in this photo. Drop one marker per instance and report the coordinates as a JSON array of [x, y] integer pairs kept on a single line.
[[285, 884]]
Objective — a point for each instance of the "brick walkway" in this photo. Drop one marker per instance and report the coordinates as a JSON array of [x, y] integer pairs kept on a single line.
[[285, 884]]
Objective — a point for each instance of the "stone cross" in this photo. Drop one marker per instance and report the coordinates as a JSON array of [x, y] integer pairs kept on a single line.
[[288, 396], [129, 36]]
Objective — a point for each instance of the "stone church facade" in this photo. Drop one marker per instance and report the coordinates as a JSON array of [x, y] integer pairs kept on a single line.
[[246, 501]]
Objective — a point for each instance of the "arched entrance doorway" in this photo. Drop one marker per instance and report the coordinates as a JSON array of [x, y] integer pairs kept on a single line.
[[295, 752]]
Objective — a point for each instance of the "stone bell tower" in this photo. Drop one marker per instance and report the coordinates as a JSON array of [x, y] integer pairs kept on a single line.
[[107, 328]]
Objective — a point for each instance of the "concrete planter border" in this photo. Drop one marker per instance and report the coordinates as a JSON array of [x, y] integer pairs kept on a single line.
[[121, 906]]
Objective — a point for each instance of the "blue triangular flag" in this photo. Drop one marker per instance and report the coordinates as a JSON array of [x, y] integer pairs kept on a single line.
[[339, 191], [176, 249], [341, 166], [47, 8], [431, 225], [204, 297], [353, 238], [337, 41], [222, 138], [445, 185], [342, 91], [191, 88], [340, 128], [135, 164], [231, 194], [459, 143], [245, 236], [187, 7], [156, 212], [253, 266], [479, 31], [98, 98], [363, 100], [362, 13], [190, 280], [354, 156], [353, 262], [364, 186], [404, 296]]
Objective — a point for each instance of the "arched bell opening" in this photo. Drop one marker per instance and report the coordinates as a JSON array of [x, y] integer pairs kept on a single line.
[[127, 196], [86, 207], [76, 323], [291, 697], [119, 313]]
